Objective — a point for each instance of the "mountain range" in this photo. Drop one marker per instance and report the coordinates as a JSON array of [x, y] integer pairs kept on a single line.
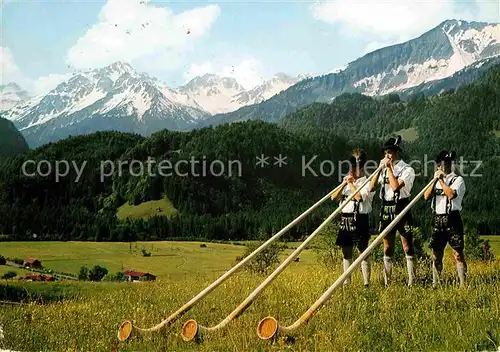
[[117, 97], [217, 94], [452, 46]]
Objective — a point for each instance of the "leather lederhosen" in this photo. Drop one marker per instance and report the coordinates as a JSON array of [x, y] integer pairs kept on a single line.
[[446, 222], [348, 220], [447, 227], [391, 208], [354, 228]]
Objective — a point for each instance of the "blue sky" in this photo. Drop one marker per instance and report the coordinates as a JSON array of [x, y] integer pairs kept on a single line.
[[44, 42]]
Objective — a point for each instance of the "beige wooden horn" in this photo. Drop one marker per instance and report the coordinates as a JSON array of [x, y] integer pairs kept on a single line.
[[269, 327], [191, 329], [126, 329]]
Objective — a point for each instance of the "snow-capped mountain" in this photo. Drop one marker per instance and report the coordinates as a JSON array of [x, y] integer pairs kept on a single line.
[[223, 94], [459, 79], [117, 97], [435, 55], [112, 98], [11, 95], [213, 93], [266, 90]]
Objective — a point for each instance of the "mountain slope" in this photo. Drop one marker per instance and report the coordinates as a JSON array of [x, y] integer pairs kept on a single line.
[[461, 78], [435, 55], [112, 98], [11, 140]]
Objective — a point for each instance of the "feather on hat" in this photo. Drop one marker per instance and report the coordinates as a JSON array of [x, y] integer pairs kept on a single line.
[[394, 144]]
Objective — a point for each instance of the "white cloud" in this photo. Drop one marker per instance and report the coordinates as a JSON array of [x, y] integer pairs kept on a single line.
[[9, 72], [401, 18], [134, 30], [247, 72], [390, 21], [47, 83]]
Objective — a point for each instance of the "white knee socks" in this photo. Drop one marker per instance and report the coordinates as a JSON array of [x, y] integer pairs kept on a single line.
[[436, 272], [387, 270], [462, 272], [410, 264], [366, 270]]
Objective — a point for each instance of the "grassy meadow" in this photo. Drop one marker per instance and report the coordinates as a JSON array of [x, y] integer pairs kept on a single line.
[[397, 318], [161, 207], [408, 134]]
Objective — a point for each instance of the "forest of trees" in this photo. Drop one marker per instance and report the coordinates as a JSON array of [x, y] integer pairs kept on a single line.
[[260, 200], [12, 141]]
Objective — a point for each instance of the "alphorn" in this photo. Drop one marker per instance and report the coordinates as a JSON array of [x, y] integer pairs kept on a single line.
[[127, 328], [191, 329], [269, 327]]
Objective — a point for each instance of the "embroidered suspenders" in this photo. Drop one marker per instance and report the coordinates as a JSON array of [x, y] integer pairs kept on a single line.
[[388, 212], [386, 182], [349, 223], [440, 192], [356, 205], [441, 221]]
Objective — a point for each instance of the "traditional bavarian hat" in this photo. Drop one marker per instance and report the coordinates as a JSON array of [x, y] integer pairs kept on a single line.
[[393, 144], [445, 156]]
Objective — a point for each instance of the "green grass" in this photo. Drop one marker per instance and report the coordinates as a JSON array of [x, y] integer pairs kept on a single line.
[[20, 272], [354, 319], [497, 133], [408, 134], [494, 243], [169, 260], [147, 209]]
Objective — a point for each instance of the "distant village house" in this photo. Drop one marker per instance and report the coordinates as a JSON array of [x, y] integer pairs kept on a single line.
[[37, 277], [139, 276], [32, 263]]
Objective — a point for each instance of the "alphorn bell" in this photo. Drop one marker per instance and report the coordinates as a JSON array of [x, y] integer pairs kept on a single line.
[[192, 330], [126, 329], [269, 327]]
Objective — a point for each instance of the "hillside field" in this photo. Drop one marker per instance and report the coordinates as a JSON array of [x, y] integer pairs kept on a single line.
[[146, 209], [355, 318]]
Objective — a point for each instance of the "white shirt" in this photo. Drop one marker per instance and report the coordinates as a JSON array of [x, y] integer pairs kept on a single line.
[[402, 171], [456, 203], [365, 205]]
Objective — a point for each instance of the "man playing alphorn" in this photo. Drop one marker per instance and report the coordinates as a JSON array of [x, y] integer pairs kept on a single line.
[[354, 229], [446, 203], [396, 181]]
